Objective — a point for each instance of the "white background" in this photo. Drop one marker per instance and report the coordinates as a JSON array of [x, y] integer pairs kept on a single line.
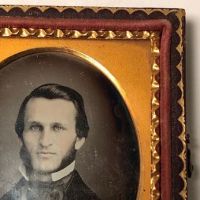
[[192, 69]]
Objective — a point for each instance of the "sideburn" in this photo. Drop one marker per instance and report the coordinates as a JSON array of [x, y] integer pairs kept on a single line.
[[26, 159]]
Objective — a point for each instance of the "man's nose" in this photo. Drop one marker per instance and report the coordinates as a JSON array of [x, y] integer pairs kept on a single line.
[[46, 138]]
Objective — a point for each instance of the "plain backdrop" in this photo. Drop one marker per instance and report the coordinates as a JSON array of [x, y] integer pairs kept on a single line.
[[192, 57]]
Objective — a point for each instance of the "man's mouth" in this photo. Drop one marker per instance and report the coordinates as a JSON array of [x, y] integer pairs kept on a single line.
[[45, 154]]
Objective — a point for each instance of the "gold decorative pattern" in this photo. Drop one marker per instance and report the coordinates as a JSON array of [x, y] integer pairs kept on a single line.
[[182, 136], [72, 34], [154, 38], [155, 138]]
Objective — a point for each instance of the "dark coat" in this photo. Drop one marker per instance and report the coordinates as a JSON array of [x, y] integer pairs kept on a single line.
[[74, 189]]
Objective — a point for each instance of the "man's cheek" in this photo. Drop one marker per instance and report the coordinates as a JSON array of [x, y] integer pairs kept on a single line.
[[32, 151]]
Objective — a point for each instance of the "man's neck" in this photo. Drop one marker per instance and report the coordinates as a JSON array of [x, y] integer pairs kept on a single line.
[[41, 177]]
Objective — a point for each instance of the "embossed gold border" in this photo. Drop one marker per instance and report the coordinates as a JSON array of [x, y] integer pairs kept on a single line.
[[73, 34], [154, 38], [42, 33], [155, 137]]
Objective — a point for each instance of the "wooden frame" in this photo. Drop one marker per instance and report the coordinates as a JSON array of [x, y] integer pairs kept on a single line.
[[164, 29]]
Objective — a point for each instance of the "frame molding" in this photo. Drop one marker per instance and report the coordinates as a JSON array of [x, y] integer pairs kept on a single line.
[[85, 25]]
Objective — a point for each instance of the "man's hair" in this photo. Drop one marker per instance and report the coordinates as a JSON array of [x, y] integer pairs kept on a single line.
[[55, 91]]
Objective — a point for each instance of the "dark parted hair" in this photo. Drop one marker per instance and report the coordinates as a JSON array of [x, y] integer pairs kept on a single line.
[[56, 91]]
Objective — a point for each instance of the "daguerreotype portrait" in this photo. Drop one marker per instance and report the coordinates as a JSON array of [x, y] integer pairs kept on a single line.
[[92, 104]]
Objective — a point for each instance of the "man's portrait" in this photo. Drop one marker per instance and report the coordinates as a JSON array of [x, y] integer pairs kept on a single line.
[[66, 132], [52, 126]]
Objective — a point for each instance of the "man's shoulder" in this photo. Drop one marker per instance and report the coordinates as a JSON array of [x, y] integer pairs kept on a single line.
[[7, 196], [13, 194], [78, 190]]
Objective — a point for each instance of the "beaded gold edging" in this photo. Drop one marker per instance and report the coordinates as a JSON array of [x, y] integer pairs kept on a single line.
[[155, 138]]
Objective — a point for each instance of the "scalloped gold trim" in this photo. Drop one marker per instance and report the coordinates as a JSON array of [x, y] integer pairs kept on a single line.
[[60, 9], [181, 119], [155, 138]]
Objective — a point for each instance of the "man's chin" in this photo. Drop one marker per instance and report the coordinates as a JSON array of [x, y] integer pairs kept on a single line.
[[45, 169]]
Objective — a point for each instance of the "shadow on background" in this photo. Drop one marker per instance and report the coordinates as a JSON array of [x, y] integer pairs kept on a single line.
[[191, 109]]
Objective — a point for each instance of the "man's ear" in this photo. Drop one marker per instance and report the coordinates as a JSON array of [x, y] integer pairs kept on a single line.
[[79, 142]]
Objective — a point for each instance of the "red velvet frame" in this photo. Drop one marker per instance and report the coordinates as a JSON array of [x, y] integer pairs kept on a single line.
[[161, 25]]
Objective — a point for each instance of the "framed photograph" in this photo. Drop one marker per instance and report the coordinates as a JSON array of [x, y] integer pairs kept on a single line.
[[92, 103]]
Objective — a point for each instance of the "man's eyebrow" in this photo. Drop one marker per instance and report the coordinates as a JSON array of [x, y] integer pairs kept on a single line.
[[59, 123], [33, 122]]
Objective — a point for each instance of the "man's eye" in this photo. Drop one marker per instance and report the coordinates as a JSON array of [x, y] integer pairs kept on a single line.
[[58, 128], [35, 128]]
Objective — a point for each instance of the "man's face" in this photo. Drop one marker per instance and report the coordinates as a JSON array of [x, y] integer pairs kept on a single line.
[[49, 132]]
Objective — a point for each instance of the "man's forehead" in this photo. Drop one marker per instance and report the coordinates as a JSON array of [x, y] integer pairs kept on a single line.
[[50, 108]]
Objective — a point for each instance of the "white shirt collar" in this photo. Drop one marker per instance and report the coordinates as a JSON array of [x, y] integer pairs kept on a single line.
[[54, 176]]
